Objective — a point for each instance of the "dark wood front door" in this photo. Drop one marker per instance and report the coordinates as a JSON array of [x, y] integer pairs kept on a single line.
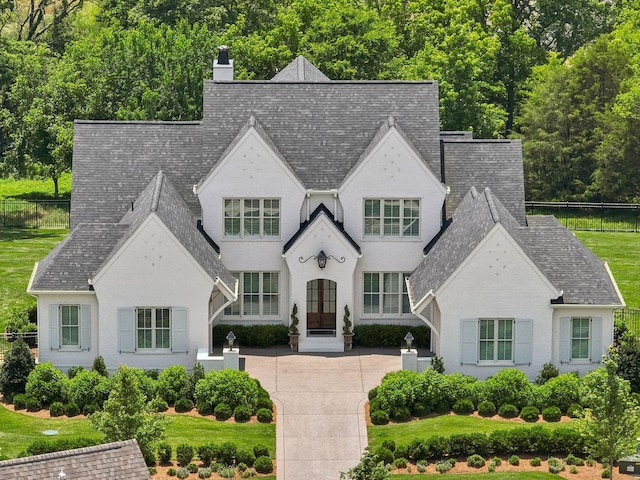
[[321, 306]]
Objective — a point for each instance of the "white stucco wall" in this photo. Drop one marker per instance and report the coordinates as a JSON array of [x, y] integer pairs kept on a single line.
[[152, 269], [496, 281], [64, 359]]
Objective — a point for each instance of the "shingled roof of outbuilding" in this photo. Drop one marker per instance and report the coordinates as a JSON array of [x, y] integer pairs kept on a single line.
[[570, 266], [117, 460]]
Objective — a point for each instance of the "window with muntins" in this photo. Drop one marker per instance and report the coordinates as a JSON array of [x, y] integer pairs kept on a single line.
[[385, 293], [251, 217], [69, 326], [495, 340], [258, 295], [580, 338], [153, 328], [391, 217]]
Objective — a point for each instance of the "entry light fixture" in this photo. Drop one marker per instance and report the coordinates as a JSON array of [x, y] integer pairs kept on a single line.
[[321, 258], [230, 339], [409, 339]]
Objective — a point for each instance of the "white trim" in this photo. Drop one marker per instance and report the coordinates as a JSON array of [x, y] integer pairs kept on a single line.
[[615, 285], [561, 306], [430, 325]]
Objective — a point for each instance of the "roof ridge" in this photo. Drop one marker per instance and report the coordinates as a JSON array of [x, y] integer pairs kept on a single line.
[[157, 189], [493, 210]]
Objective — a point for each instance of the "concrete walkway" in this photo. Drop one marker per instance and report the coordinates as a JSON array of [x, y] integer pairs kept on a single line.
[[320, 398]]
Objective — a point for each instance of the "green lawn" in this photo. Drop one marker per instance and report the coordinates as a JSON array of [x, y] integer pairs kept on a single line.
[[35, 189], [18, 430], [442, 425], [484, 476], [622, 252], [19, 250]]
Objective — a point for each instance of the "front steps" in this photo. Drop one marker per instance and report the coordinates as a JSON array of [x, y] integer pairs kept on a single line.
[[321, 344]]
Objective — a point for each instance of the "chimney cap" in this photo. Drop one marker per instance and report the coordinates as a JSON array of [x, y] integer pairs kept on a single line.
[[223, 55]]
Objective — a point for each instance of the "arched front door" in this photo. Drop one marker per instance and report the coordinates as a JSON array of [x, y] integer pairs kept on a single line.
[[321, 307]]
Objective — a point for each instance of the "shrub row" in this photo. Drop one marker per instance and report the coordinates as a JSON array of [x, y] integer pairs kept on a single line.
[[390, 335], [252, 335], [211, 455], [507, 392], [534, 440], [38, 447]]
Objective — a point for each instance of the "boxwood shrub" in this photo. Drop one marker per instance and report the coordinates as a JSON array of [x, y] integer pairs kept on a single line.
[[476, 461], [401, 414], [551, 414], [508, 386], [252, 335], [89, 387], [56, 409], [47, 384], [164, 453], [378, 335], [222, 411], [184, 454], [245, 456], [173, 383], [264, 415], [263, 465], [486, 408], [379, 417], [261, 450], [232, 387], [530, 414], [20, 401], [384, 455], [40, 447], [508, 411], [464, 406], [242, 414]]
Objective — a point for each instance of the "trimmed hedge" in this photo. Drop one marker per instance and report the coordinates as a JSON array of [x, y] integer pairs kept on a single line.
[[389, 335], [252, 335], [39, 447]]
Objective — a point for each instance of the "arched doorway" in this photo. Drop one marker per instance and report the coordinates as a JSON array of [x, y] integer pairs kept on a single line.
[[321, 307]]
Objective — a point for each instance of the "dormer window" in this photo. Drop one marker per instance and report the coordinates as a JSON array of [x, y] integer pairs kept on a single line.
[[251, 217], [391, 217]]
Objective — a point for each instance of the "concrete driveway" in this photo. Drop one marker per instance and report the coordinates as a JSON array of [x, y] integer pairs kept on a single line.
[[320, 400]]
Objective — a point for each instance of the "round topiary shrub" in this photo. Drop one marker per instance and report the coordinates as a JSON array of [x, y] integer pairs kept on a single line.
[[464, 406], [242, 414], [264, 402], [158, 404], [514, 460], [172, 472], [530, 414], [508, 411], [245, 456], [227, 453], [192, 467], [379, 417], [184, 454], [573, 460], [443, 466], [222, 411], [400, 462], [263, 465], [183, 405], [164, 453], [551, 414], [486, 408], [555, 465], [204, 408], [47, 384], [20, 401], [384, 455], [373, 393], [204, 473], [264, 416], [389, 444], [89, 387], [56, 409], [261, 450], [232, 387], [33, 404], [535, 462], [71, 409], [476, 461], [401, 414]]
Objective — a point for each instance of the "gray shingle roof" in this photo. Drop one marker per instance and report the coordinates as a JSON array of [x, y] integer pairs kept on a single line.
[[300, 70], [69, 266], [496, 164], [89, 246], [566, 262], [114, 161], [322, 128], [118, 460]]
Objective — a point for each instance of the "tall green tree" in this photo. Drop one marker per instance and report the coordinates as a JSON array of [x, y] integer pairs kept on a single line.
[[612, 415], [125, 415]]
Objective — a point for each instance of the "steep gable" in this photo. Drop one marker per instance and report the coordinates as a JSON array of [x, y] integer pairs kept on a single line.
[[300, 70]]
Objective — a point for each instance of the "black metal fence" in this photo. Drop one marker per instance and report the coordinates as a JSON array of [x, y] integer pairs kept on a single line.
[[600, 217], [631, 318], [34, 213]]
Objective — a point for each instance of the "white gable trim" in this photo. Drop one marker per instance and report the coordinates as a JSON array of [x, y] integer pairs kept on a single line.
[[392, 135], [226, 159], [553, 291], [153, 217]]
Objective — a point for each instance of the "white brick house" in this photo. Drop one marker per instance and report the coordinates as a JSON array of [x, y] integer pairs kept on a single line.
[[177, 226]]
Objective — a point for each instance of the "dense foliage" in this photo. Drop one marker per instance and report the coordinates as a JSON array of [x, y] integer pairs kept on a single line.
[[232, 387], [563, 75], [15, 370]]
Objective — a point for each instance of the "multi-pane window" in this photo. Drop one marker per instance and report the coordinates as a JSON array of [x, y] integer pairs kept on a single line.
[[252, 217], [580, 338], [153, 328], [391, 217], [70, 325], [385, 293], [258, 295], [496, 340]]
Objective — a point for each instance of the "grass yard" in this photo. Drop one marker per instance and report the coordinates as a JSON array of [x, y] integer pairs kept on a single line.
[[19, 250], [442, 425], [622, 252], [17, 430], [27, 189]]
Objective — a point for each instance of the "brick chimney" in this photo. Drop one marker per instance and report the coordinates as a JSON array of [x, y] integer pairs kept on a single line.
[[222, 66]]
